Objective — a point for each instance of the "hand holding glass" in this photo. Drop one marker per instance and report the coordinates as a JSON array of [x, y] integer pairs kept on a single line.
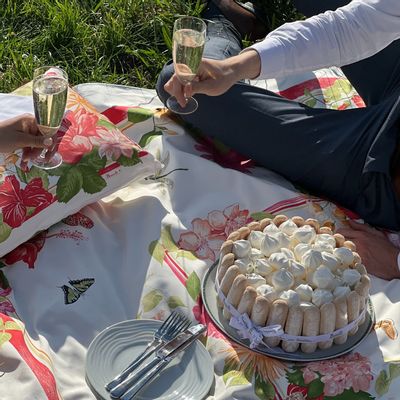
[[50, 90], [188, 44]]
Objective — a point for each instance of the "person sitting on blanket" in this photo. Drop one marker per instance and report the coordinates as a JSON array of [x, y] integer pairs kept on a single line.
[[22, 132], [351, 157]]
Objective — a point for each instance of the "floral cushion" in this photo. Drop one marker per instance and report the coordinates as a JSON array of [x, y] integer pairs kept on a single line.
[[324, 88], [97, 160]]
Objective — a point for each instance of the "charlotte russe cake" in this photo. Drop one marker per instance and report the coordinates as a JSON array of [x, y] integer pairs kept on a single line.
[[296, 275]]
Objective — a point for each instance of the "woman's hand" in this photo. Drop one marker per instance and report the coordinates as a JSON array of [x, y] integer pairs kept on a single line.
[[377, 252], [215, 77], [21, 132]]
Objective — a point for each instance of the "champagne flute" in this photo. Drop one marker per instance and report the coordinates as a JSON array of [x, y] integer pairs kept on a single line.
[[188, 44], [50, 90]]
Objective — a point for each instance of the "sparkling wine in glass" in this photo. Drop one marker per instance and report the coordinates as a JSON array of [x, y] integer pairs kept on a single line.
[[50, 90], [188, 44]]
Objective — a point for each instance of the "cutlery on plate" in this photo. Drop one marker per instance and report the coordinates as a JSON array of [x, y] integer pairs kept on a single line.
[[172, 326], [135, 382]]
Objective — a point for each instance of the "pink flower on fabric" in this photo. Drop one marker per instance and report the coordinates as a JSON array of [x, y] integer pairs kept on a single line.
[[112, 144], [196, 240], [15, 201], [5, 304], [350, 372], [235, 218], [207, 235], [77, 129]]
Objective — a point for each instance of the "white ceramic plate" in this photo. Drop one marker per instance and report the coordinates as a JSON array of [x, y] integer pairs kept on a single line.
[[210, 302], [189, 376]]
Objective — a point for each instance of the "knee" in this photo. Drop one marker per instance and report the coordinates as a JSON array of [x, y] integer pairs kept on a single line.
[[165, 75]]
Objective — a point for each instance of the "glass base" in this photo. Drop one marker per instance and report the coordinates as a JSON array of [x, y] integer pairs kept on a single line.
[[174, 106], [54, 162]]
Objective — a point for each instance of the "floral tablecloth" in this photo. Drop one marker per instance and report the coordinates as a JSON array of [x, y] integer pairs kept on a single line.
[[143, 251]]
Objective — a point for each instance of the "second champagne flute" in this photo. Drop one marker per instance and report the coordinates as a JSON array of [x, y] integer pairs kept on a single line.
[[188, 44], [50, 90]]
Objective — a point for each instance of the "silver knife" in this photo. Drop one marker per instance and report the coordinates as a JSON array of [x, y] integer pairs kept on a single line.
[[137, 381]]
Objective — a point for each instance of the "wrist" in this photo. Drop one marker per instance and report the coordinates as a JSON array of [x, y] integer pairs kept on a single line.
[[246, 65]]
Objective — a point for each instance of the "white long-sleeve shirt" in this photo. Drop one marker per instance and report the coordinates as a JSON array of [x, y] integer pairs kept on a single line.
[[351, 33]]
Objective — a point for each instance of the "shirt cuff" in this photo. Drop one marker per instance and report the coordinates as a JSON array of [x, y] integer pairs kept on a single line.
[[272, 57]]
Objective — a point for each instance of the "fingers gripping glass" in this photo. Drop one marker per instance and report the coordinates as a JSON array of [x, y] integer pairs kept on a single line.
[[50, 90], [188, 45]]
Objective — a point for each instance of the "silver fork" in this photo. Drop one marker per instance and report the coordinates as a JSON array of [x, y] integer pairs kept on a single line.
[[172, 326]]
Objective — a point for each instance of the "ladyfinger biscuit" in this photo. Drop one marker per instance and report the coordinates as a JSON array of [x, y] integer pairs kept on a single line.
[[330, 224], [339, 239], [350, 245], [325, 229], [254, 226], [312, 222], [265, 222], [362, 288], [353, 309], [234, 236], [277, 316], [361, 269], [235, 293], [294, 326], [357, 259], [260, 310], [244, 232], [311, 319], [229, 277], [327, 323], [226, 261], [247, 301], [341, 318], [299, 221], [226, 248], [280, 219]]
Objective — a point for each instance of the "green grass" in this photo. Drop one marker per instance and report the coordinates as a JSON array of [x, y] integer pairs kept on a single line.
[[117, 41]]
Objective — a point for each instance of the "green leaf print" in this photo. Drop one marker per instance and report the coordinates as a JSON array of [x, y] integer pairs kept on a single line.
[[152, 300], [258, 216], [235, 378], [129, 161], [339, 90], [137, 115], [36, 172], [5, 230], [69, 185], [21, 174], [93, 160], [12, 326], [295, 377], [311, 102], [148, 137], [59, 171], [264, 390], [315, 388], [382, 383], [193, 286], [4, 337], [92, 181], [174, 302], [107, 124], [186, 254], [167, 240], [394, 370], [4, 281], [157, 251]]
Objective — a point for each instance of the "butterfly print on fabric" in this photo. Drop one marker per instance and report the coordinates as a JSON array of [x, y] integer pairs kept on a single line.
[[78, 288], [78, 219]]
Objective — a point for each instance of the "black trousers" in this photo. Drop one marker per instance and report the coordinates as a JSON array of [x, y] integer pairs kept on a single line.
[[343, 156]]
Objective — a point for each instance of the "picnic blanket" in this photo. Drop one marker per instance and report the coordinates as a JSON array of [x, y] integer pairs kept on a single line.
[[147, 247]]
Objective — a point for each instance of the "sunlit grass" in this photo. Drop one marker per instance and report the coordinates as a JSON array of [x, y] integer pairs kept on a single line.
[[116, 41]]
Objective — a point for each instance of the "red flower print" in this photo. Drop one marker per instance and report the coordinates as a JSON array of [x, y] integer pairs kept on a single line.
[[5, 304], [28, 251], [76, 130], [15, 201], [223, 155]]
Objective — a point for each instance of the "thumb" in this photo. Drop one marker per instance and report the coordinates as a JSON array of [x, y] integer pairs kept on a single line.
[[27, 140]]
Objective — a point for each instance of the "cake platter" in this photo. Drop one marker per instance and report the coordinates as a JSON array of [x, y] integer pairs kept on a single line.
[[209, 296]]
